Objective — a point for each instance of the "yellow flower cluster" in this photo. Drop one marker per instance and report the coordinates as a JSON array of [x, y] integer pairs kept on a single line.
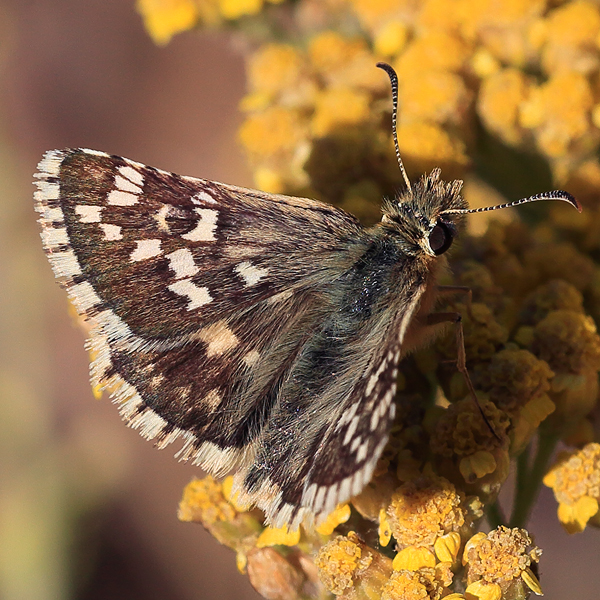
[[165, 18], [481, 83]]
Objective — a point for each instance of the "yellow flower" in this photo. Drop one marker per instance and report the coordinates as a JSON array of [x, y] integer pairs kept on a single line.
[[339, 107], [339, 560], [499, 102], [164, 18], [273, 68], [571, 35], [503, 557], [462, 431], [426, 583], [203, 500], [423, 510], [517, 382], [347, 564], [373, 13], [447, 546], [568, 342], [274, 131], [391, 38], [435, 50], [483, 590], [340, 515], [426, 145], [436, 96], [278, 536], [575, 480], [559, 261], [234, 9], [206, 501], [413, 558], [331, 51], [554, 295], [562, 121], [463, 441]]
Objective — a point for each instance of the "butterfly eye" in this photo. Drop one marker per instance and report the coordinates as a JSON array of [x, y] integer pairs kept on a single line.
[[440, 237]]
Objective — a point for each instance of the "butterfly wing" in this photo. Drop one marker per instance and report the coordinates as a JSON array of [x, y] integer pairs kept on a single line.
[[334, 408], [225, 317]]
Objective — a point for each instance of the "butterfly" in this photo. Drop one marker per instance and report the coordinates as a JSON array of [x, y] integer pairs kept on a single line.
[[262, 331]]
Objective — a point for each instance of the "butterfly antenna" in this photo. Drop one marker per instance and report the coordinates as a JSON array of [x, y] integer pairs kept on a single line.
[[394, 81], [555, 195]]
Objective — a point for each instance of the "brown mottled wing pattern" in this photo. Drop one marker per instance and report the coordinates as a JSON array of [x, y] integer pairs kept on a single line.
[[225, 317]]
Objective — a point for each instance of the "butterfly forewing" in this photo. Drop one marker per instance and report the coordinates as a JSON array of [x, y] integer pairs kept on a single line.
[[264, 331]]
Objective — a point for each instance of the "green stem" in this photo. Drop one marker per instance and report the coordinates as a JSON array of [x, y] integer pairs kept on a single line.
[[530, 480], [495, 515]]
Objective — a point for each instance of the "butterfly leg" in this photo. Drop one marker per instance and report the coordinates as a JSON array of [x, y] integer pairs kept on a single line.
[[461, 357], [458, 289]]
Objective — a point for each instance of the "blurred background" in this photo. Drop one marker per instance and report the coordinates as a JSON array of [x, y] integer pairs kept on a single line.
[[88, 508]]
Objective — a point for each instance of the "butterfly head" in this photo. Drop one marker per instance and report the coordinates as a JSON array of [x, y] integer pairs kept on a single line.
[[424, 216], [419, 215]]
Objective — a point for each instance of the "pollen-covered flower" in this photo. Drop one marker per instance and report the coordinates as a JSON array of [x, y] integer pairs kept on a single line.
[[470, 449], [545, 262], [502, 558], [518, 383], [499, 103], [349, 568], [425, 509], [209, 502], [427, 583], [568, 341], [575, 480], [570, 37], [557, 294], [203, 500]]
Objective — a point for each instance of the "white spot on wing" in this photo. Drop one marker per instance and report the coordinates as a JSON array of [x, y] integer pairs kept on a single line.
[[146, 249], [351, 431], [161, 218], [120, 198], [203, 198], [198, 296], [251, 358], [130, 173], [88, 213], [250, 274], [362, 452], [94, 152], [182, 263], [219, 338], [112, 233], [212, 399], [126, 186], [205, 228]]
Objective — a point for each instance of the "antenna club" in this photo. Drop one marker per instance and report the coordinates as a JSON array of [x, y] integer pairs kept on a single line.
[[554, 195]]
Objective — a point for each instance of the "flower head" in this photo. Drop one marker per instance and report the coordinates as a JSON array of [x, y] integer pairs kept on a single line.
[[425, 509], [346, 564], [575, 480], [426, 583], [502, 558]]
